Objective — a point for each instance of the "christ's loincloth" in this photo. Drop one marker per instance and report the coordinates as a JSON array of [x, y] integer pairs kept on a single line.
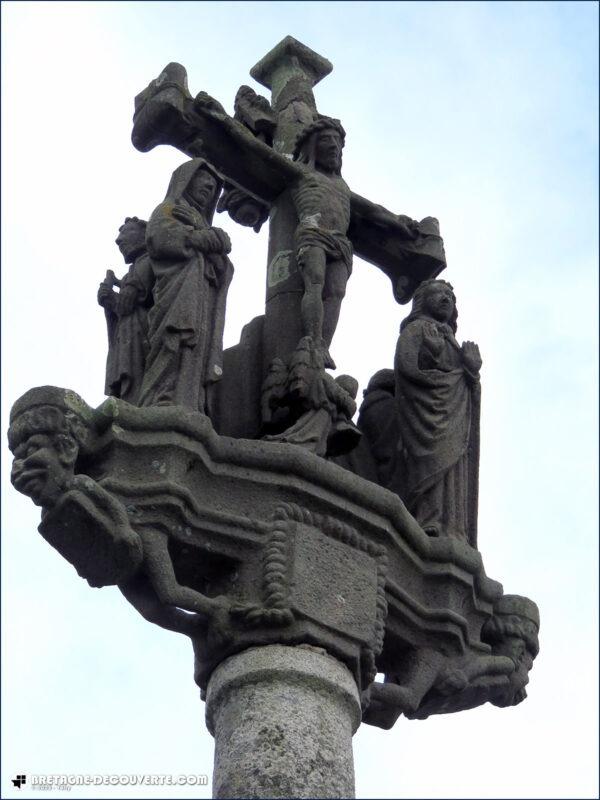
[[336, 246]]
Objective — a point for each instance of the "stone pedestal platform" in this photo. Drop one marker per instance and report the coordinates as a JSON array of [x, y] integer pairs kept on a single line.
[[296, 581]]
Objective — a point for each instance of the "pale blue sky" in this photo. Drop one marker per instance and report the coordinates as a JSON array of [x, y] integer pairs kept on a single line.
[[481, 114]]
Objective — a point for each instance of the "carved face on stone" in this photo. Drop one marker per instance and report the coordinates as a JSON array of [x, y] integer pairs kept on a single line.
[[131, 239], [43, 466], [328, 150], [513, 632], [201, 189], [439, 302], [516, 649]]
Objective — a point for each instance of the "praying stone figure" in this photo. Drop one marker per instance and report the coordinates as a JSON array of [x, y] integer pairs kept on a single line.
[[438, 401], [127, 314], [323, 250], [191, 274]]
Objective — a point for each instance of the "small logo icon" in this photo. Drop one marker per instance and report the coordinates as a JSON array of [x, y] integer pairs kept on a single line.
[[19, 781]]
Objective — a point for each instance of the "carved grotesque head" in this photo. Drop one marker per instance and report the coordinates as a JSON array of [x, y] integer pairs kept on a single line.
[[320, 145], [48, 426], [513, 632], [132, 238]]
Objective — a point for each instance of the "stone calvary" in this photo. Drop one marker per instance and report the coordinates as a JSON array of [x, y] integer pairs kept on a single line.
[[229, 494]]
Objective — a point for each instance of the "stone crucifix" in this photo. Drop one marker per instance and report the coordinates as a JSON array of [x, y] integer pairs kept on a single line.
[[296, 580], [287, 157]]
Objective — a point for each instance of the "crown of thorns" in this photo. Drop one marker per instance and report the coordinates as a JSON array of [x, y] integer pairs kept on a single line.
[[320, 124]]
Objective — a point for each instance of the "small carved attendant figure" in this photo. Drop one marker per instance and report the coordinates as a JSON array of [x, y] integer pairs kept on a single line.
[[126, 314], [192, 274], [438, 401], [322, 406], [323, 250], [378, 421], [255, 114]]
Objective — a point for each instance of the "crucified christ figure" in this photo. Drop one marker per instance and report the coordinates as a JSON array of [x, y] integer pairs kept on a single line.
[[323, 250], [331, 222]]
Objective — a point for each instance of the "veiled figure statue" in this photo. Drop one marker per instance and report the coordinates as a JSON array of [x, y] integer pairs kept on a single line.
[[191, 273], [438, 402]]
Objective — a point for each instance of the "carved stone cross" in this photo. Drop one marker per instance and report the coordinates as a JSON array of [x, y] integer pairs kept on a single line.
[[297, 580], [166, 113]]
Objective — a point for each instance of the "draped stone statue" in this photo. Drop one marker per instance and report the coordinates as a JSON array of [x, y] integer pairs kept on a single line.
[[437, 400], [191, 272], [127, 313]]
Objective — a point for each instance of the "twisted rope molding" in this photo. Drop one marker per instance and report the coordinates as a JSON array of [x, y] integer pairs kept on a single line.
[[275, 610]]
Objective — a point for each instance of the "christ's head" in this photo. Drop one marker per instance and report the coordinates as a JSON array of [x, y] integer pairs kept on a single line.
[[320, 145]]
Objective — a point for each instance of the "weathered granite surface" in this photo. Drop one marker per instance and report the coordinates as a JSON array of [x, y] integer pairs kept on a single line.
[[283, 720], [126, 313], [230, 496], [264, 542], [287, 157]]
